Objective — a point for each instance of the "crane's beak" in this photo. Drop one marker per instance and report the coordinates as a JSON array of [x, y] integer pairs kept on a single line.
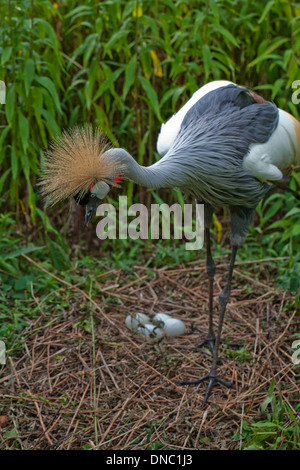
[[91, 208]]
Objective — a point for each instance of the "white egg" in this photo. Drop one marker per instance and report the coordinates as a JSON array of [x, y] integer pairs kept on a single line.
[[134, 323], [161, 317], [162, 323], [174, 327], [131, 322], [150, 330], [142, 318]]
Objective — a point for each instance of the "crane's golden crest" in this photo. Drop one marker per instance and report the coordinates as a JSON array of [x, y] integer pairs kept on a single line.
[[74, 162]]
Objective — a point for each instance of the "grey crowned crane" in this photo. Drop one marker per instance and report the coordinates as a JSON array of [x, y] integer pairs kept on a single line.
[[226, 146]]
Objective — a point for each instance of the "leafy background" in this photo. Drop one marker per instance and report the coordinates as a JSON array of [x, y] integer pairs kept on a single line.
[[126, 67]]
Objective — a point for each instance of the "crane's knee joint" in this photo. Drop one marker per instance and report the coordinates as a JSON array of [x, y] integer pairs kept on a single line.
[[223, 298], [237, 238], [211, 270]]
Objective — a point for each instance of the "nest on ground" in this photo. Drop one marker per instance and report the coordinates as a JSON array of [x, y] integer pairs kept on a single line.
[[81, 384]]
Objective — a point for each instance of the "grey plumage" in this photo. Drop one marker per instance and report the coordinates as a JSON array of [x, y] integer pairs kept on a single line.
[[207, 155]]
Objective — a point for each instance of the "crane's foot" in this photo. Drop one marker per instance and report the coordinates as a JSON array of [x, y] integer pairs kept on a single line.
[[213, 379]]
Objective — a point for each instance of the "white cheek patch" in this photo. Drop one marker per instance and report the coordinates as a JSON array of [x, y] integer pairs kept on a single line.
[[100, 189]]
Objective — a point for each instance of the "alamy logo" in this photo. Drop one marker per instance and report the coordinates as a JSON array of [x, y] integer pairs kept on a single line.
[[146, 222], [2, 353], [295, 95], [296, 353], [2, 92]]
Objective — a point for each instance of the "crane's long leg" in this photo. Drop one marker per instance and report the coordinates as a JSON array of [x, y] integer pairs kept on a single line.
[[212, 376], [210, 339]]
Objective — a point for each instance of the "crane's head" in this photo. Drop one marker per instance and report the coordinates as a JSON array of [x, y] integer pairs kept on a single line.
[[93, 197], [81, 164]]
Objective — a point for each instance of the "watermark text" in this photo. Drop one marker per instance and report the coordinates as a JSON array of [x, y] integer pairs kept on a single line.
[[159, 221]]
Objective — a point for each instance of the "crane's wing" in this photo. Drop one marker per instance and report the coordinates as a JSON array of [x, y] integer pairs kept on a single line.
[[210, 153], [170, 129], [268, 139], [234, 119], [239, 109]]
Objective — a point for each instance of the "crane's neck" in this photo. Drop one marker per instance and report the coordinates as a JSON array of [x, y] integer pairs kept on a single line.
[[154, 176]]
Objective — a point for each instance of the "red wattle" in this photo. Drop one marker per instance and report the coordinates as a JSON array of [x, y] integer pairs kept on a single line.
[[118, 179]]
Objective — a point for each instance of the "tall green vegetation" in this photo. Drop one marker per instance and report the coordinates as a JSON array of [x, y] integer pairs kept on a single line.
[[126, 66]]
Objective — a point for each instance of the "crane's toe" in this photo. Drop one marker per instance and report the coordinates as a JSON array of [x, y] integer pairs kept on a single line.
[[210, 341], [213, 379]]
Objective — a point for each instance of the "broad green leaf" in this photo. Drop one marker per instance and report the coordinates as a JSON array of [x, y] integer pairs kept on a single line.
[[49, 121], [151, 95], [107, 83], [129, 75], [10, 105], [58, 255], [114, 39], [48, 28], [21, 251], [23, 283], [23, 130], [295, 210], [293, 70], [7, 266], [153, 24], [6, 54], [225, 33], [25, 164], [267, 8], [206, 60], [14, 162], [146, 63], [81, 10], [173, 93], [89, 47], [278, 85], [275, 207], [50, 87], [31, 201], [3, 178], [3, 135], [130, 5], [275, 45], [28, 75]]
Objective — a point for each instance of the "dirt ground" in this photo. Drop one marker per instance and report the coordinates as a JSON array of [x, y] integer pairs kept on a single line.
[[76, 386]]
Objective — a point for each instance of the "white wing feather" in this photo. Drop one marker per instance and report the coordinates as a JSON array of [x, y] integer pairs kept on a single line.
[[170, 129]]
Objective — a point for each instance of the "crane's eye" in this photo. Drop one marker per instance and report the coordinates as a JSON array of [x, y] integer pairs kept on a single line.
[[84, 199]]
